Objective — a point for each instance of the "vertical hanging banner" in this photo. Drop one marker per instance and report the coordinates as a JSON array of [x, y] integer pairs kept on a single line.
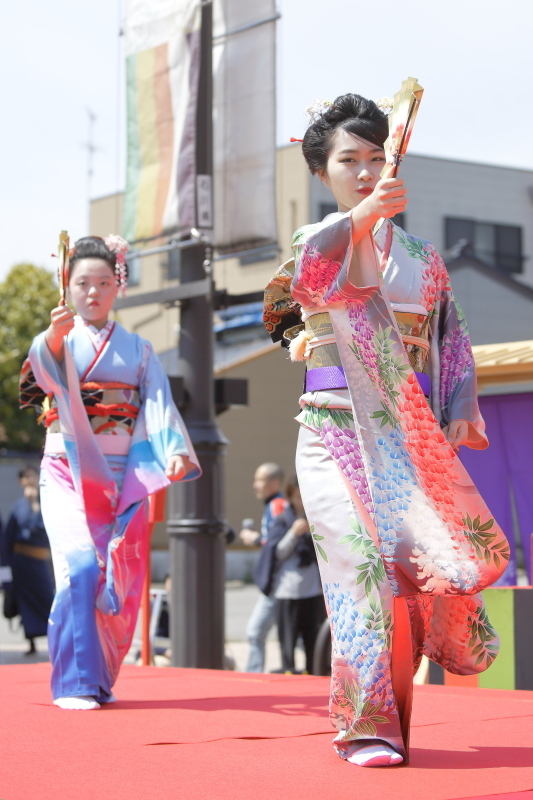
[[244, 65], [162, 41]]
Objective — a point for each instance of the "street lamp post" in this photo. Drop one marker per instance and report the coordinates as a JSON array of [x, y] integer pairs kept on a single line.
[[196, 524]]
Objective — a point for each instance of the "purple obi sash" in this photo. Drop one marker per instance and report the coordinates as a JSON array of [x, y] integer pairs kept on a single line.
[[321, 379]]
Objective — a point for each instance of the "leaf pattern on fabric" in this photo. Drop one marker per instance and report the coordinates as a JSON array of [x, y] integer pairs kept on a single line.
[[365, 713], [315, 416], [391, 369], [415, 247], [485, 541], [391, 372], [379, 620], [483, 641], [375, 352], [435, 275], [372, 572], [316, 539]]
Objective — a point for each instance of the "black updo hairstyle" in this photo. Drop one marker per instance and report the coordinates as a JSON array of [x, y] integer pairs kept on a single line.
[[349, 112], [92, 247]]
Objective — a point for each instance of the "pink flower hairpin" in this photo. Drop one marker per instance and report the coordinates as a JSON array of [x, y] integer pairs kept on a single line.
[[119, 247]]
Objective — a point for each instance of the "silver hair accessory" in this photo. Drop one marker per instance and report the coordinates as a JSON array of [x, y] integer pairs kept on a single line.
[[385, 105], [318, 108]]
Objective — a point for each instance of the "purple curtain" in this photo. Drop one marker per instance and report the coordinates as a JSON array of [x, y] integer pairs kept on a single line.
[[506, 469]]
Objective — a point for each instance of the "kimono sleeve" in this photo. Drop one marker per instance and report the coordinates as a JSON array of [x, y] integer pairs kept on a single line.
[[322, 255], [41, 372], [280, 311], [457, 383], [165, 428]]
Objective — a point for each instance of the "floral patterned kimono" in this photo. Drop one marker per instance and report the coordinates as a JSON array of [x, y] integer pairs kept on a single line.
[[404, 541], [112, 425]]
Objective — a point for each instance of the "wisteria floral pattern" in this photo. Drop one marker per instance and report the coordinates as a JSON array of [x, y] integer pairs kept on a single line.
[[336, 431], [418, 514], [412, 524]]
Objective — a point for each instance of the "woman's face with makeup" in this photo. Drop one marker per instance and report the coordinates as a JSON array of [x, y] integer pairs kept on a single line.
[[353, 169]]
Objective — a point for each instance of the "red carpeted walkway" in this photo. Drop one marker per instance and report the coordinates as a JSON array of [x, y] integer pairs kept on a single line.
[[197, 734]]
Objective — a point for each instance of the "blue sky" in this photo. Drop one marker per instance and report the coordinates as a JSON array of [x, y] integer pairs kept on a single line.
[[58, 59]]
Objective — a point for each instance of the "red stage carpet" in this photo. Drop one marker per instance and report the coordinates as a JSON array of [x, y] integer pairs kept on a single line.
[[197, 734]]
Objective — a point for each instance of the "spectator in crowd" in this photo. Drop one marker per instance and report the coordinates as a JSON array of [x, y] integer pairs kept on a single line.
[[287, 571], [268, 480], [300, 607], [26, 549]]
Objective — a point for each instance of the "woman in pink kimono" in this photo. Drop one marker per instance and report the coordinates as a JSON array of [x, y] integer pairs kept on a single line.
[[404, 541], [114, 436]]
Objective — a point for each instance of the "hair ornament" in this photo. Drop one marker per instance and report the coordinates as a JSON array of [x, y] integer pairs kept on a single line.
[[385, 105], [318, 108], [119, 247]]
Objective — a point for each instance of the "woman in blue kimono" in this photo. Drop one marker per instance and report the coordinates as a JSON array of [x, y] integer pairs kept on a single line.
[[114, 436]]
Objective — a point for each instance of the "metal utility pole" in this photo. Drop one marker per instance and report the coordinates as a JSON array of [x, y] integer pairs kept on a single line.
[[91, 150], [196, 524]]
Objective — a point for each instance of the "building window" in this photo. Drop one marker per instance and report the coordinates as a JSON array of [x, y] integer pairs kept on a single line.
[[399, 219], [499, 246], [133, 262], [327, 208]]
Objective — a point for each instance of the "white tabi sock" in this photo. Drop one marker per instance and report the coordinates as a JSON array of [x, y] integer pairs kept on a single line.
[[82, 703], [375, 755]]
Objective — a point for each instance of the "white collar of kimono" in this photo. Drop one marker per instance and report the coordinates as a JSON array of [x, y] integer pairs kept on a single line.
[[96, 336]]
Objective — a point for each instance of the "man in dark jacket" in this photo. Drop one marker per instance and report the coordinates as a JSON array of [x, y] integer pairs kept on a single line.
[[267, 485]]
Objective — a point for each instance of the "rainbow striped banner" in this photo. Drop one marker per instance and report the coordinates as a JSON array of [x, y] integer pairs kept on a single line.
[[162, 66]]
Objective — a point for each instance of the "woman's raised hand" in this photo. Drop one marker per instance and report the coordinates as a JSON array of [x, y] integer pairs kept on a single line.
[[61, 322], [388, 198]]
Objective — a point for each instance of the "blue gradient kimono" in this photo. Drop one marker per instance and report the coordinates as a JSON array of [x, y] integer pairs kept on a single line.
[[95, 506]]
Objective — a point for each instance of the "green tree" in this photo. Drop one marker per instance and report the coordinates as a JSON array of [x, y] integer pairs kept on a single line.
[[27, 296]]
